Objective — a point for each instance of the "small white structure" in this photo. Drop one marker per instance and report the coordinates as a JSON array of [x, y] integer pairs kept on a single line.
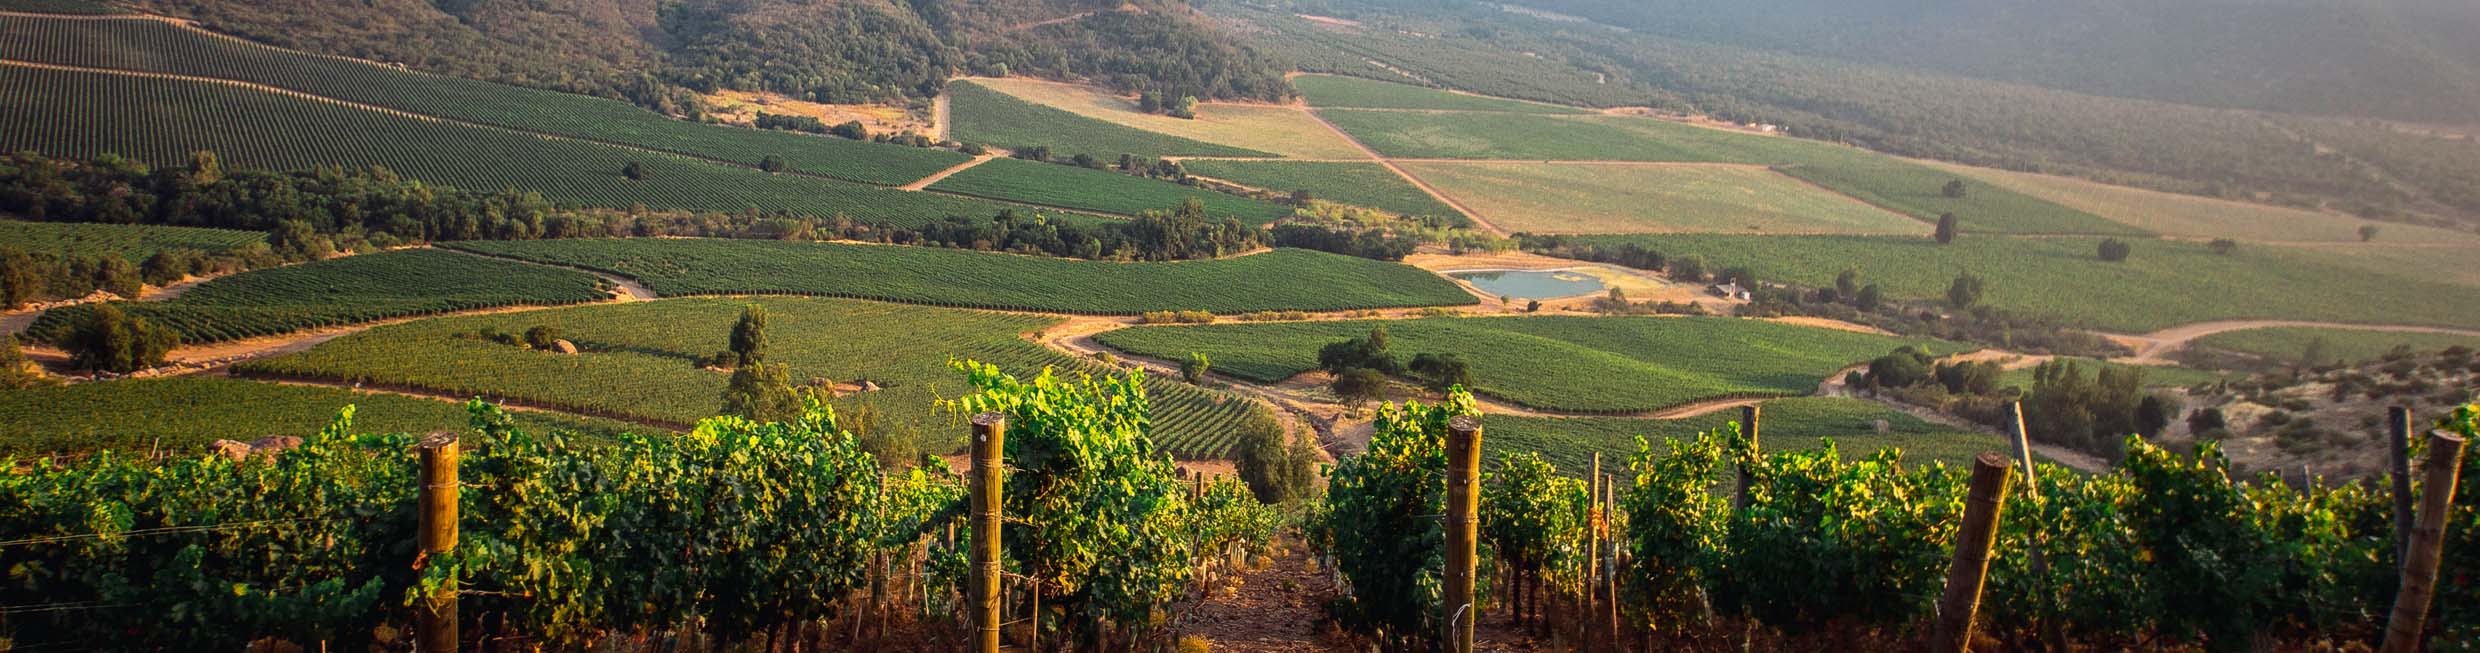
[[1729, 291]]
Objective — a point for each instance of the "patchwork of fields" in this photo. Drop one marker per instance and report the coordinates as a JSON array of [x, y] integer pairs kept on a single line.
[[132, 415], [1277, 280], [1283, 131], [131, 242], [1625, 198], [639, 362], [979, 114], [1551, 362], [348, 290]]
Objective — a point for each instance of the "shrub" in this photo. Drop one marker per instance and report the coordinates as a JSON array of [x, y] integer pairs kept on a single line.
[[112, 341], [1359, 386], [2115, 250], [634, 171], [1277, 468], [542, 337]]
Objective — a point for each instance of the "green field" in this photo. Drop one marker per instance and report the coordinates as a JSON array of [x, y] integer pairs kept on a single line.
[[1550, 362], [1794, 423], [2288, 344], [132, 242], [1282, 130], [2201, 217], [80, 115], [979, 114], [1087, 189], [639, 362], [1657, 198], [2155, 376], [1917, 190], [155, 46], [1340, 91], [1276, 280], [2163, 283], [347, 290], [186, 413], [1367, 185]]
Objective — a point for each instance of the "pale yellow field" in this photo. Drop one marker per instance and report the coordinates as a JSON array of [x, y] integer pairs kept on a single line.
[[2450, 263], [2203, 217], [1281, 130], [742, 107], [1593, 198]]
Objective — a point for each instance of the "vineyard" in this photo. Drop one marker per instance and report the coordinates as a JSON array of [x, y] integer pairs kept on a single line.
[[1275, 280], [1283, 131], [347, 290], [2338, 345], [160, 47], [2164, 283], [1602, 364], [640, 362], [136, 415], [1791, 424], [1097, 190], [988, 117], [1352, 92], [1366, 185], [1917, 190], [131, 242], [1621, 198], [83, 115]]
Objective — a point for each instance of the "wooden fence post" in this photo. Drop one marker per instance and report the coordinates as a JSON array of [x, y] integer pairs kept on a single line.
[[2419, 578], [1463, 527], [1747, 427], [2398, 456], [1610, 579], [1970, 567], [989, 435], [1592, 548], [435, 627], [2052, 637]]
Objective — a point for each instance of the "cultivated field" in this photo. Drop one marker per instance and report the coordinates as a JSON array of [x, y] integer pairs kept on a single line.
[[2155, 376], [132, 242], [155, 46], [1474, 135], [2341, 345], [83, 115], [185, 413], [347, 290], [1550, 362], [1280, 130], [639, 362], [1630, 198], [1073, 187], [1280, 279], [2443, 264], [2163, 283], [1366, 185], [1918, 190], [1794, 423], [1355, 92], [2203, 217], [978, 114]]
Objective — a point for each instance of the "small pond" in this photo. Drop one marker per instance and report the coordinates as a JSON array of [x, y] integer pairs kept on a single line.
[[1532, 284]]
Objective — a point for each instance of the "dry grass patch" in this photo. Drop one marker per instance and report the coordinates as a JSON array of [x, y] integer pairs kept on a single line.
[[742, 108], [1627, 198], [1281, 130]]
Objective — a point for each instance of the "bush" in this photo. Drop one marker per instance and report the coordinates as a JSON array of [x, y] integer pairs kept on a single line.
[[542, 338], [13, 366], [2115, 250], [111, 341], [1276, 467], [1359, 386]]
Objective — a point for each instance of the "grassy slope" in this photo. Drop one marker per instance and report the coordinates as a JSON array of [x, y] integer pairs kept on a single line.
[[154, 46], [1285, 131], [982, 115], [2202, 217], [1340, 91], [1917, 190], [1576, 198], [1097, 190], [83, 115], [346, 291], [2164, 283], [1793, 423], [132, 242], [1553, 362], [639, 361], [1359, 184], [1281, 279], [2154, 375], [185, 413], [2289, 343]]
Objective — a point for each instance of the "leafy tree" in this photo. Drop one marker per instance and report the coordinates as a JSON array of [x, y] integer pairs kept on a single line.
[[542, 337], [894, 443], [2153, 415], [2115, 250], [1946, 228], [1278, 468], [1906, 367], [1742, 275], [851, 129], [1847, 284], [115, 275], [772, 163], [1149, 102], [1964, 292], [1366, 352], [204, 168], [1195, 368], [1533, 306], [2203, 423], [1690, 268], [1360, 385], [1954, 189], [762, 392], [749, 336], [1442, 371], [1869, 298], [1302, 197], [14, 374], [1185, 108], [2223, 246], [112, 341], [169, 265], [2367, 232], [1969, 377], [20, 282], [633, 170]]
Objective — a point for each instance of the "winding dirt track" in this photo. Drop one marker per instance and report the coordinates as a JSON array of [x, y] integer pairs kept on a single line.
[[2153, 347]]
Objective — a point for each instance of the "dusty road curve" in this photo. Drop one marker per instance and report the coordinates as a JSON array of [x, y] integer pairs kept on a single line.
[[2152, 348]]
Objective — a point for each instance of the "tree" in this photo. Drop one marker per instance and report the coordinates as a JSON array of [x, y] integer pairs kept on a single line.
[[19, 281], [1302, 198], [772, 163], [1946, 228], [2315, 353], [1847, 284], [749, 337], [168, 265], [1533, 306], [851, 129], [634, 171], [2223, 246], [1869, 298], [894, 443], [1186, 108], [1359, 386], [1906, 367], [762, 392], [542, 337], [1367, 352], [1689, 268], [204, 168], [1441, 371], [110, 340], [115, 275], [1195, 368], [2153, 415], [13, 364], [2115, 250], [1149, 102], [1276, 466], [2367, 232], [2204, 423], [1954, 189], [1965, 292]]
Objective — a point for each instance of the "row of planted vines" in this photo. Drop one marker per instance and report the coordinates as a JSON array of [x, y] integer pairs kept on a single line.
[[735, 534], [1819, 553]]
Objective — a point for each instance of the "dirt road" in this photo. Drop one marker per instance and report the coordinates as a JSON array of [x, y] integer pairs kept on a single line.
[[2153, 348]]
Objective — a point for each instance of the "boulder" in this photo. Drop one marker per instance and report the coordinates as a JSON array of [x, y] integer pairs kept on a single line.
[[230, 449], [271, 444], [867, 386], [564, 346]]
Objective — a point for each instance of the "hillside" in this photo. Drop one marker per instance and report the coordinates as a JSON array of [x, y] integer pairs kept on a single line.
[[660, 54]]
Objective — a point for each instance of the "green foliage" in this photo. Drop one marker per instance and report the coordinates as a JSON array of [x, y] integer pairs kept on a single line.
[[1195, 367], [1388, 541], [16, 373], [984, 115], [1533, 519], [1964, 292], [1359, 385], [1086, 189], [1277, 467], [1334, 91], [105, 339], [761, 392], [749, 336], [1359, 184], [2339, 345], [2115, 250], [129, 242], [342, 291], [1281, 279], [1797, 423], [2085, 413]]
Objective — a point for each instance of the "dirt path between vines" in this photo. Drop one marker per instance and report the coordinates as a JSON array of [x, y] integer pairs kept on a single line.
[[2153, 348], [925, 182], [1469, 215]]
